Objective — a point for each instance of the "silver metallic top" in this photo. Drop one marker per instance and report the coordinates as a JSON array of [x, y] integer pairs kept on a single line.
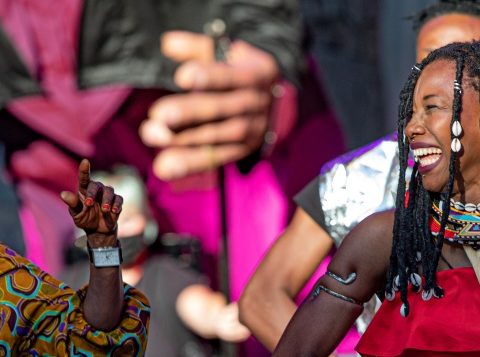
[[358, 184], [355, 186]]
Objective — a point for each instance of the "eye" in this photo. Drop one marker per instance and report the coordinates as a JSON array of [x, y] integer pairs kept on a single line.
[[430, 107]]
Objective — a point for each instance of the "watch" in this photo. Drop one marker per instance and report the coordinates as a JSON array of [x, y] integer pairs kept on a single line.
[[106, 256]]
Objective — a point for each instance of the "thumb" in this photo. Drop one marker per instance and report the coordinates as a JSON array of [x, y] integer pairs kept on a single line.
[[72, 200]]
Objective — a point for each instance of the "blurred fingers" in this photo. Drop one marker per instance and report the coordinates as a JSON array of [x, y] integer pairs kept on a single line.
[[178, 162], [247, 66], [177, 112], [249, 130], [183, 46], [230, 328], [194, 75]]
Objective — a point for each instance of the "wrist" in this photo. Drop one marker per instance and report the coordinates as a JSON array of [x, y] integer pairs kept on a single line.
[[101, 240], [106, 256]]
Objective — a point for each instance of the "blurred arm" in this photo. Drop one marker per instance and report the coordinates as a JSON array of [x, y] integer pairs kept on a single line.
[[267, 303]]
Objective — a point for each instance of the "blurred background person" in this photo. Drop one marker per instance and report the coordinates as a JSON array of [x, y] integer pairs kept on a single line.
[[98, 69], [229, 87], [355, 43]]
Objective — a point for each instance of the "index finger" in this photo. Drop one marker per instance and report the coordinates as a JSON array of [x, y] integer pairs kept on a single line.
[[83, 176]]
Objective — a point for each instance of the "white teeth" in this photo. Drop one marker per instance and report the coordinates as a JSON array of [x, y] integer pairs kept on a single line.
[[429, 160], [426, 151], [425, 161]]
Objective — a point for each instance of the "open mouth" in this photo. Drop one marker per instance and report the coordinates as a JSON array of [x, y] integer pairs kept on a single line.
[[427, 156]]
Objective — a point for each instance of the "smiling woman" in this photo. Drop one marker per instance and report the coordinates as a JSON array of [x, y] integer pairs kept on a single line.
[[424, 269]]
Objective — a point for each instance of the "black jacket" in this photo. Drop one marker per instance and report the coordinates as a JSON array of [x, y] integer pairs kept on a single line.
[[120, 38]]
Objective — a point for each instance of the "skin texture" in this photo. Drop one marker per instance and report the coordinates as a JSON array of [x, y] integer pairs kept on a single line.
[[366, 249], [446, 29], [95, 209], [320, 323], [222, 115], [430, 126], [267, 303]]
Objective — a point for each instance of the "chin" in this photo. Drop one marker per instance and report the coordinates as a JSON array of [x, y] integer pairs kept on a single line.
[[434, 186]]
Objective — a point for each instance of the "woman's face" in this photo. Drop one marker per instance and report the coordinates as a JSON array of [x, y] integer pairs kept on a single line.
[[445, 29], [429, 131]]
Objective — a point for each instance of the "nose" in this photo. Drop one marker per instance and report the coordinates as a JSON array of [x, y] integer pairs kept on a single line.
[[414, 127]]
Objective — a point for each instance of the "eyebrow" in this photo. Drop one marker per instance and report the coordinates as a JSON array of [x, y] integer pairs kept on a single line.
[[429, 96]]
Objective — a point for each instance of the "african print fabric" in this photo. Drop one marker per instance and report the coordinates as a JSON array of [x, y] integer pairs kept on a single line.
[[41, 316]]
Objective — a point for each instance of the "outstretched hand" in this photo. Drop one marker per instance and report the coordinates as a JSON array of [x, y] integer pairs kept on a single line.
[[223, 114], [94, 208]]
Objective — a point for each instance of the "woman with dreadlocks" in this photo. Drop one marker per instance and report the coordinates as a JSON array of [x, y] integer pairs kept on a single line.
[[432, 294]]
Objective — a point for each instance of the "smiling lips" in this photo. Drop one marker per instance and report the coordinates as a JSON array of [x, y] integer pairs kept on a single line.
[[428, 157]]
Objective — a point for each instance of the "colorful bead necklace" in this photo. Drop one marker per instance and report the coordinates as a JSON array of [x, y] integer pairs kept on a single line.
[[462, 227]]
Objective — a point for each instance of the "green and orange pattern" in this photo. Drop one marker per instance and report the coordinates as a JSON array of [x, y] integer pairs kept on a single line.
[[41, 316]]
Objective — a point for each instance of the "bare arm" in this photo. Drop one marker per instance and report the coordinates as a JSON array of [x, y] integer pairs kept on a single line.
[[322, 321], [104, 301], [95, 208], [267, 303]]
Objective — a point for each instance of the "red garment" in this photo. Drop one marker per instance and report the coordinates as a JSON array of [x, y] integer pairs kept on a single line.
[[438, 327]]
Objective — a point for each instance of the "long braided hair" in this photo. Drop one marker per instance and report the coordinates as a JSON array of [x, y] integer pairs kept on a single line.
[[413, 243], [444, 7]]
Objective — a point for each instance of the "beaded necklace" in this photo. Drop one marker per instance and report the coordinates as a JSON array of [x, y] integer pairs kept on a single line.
[[462, 227]]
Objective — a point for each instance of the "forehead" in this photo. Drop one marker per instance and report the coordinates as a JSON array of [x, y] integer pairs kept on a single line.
[[436, 79], [449, 28]]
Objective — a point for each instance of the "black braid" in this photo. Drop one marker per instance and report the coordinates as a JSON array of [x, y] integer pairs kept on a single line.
[[404, 113], [411, 231], [444, 7]]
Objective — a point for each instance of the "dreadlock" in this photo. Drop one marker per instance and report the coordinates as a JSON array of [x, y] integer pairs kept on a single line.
[[467, 7], [413, 243]]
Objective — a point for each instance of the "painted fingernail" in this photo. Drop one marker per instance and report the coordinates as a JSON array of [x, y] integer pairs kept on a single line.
[[106, 207], [88, 202], [114, 209]]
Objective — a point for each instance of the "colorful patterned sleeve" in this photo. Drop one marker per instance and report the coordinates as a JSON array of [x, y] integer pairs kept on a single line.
[[41, 316]]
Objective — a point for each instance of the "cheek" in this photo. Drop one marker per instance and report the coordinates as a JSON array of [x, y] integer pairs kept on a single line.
[[440, 128]]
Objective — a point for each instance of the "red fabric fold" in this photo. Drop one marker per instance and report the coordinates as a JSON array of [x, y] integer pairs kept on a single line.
[[438, 327]]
